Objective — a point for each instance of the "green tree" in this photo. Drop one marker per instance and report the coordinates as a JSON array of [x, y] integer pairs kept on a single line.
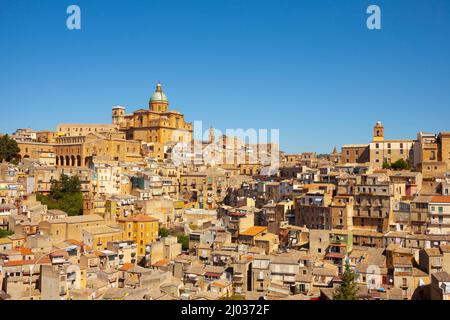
[[163, 232], [348, 288], [386, 165], [400, 164], [65, 194], [184, 240], [5, 233], [8, 148], [65, 185]]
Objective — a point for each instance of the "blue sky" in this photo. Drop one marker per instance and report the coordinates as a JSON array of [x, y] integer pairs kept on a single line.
[[309, 68]]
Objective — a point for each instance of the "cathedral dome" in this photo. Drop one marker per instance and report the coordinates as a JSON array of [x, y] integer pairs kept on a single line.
[[159, 95]]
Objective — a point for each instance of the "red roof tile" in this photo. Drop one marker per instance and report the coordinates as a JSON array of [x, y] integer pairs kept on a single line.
[[441, 199], [126, 267], [24, 251]]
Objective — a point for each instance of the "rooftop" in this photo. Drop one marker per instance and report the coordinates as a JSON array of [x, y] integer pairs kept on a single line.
[[440, 199], [253, 231]]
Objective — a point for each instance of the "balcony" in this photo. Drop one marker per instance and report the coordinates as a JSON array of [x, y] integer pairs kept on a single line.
[[404, 286], [369, 214], [58, 260], [238, 279], [338, 240]]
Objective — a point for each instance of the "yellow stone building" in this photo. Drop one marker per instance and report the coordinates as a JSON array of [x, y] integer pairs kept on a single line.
[[97, 237], [65, 129], [42, 152], [142, 229], [80, 151], [69, 228], [156, 126]]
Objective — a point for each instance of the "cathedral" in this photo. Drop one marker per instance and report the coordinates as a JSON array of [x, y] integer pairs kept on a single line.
[[156, 126]]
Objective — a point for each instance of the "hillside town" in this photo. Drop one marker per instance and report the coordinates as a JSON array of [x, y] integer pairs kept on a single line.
[[110, 212]]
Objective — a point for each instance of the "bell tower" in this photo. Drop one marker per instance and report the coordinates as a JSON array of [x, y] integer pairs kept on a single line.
[[118, 114], [211, 135], [378, 132]]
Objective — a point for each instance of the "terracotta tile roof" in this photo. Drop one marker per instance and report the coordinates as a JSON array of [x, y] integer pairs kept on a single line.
[[433, 252], [403, 274], [213, 274], [99, 253], [24, 251], [441, 199], [220, 283], [126, 267], [59, 253], [139, 218], [335, 255], [161, 263], [253, 231], [441, 276], [74, 242], [45, 260]]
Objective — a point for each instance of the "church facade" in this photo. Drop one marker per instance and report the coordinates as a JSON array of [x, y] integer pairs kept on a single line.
[[156, 126]]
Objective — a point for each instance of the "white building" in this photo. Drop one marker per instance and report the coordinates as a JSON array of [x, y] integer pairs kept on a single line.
[[439, 215]]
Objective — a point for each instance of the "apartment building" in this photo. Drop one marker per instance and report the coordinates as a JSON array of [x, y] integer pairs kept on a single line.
[[439, 215]]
